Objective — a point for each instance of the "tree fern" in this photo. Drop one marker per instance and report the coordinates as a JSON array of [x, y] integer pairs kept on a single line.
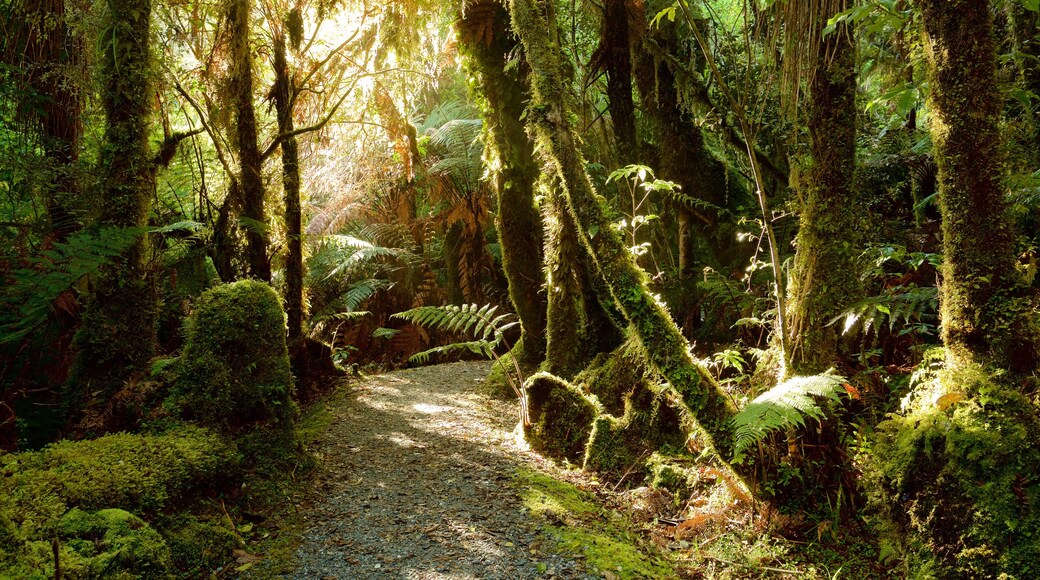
[[784, 406]]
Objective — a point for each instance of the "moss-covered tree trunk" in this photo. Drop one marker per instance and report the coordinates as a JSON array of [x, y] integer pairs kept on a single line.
[[487, 41], [283, 94], [117, 336], [667, 350], [249, 157], [578, 324], [984, 311], [823, 278]]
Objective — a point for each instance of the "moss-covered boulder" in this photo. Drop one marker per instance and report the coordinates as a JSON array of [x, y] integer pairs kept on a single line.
[[234, 372], [112, 539], [561, 417], [81, 492], [955, 481]]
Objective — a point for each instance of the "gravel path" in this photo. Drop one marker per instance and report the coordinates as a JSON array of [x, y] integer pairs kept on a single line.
[[417, 485]]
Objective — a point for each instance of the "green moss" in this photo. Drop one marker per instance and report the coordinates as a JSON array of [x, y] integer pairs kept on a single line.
[[613, 377], [561, 417], [548, 497], [113, 539], [672, 473], [649, 420], [198, 547], [955, 482], [143, 474], [604, 539], [121, 470], [234, 372]]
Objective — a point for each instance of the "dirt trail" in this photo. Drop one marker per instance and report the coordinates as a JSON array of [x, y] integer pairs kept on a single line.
[[417, 485]]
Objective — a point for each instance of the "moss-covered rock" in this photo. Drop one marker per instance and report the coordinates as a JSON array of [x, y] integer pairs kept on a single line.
[[53, 494], [955, 481], [112, 539], [235, 372], [561, 417]]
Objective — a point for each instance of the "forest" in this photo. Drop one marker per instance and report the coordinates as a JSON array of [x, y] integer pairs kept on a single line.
[[520, 289]]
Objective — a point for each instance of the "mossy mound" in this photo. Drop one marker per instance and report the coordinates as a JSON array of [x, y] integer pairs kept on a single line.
[[561, 417], [81, 492], [955, 481], [235, 371], [197, 546]]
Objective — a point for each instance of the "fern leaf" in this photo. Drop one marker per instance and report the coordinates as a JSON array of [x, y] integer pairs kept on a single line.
[[786, 405]]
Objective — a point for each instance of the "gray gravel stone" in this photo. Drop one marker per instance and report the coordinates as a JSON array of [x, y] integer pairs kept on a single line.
[[416, 485]]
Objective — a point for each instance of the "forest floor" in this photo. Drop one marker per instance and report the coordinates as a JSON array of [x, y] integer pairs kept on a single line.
[[422, 476], [419, 480]]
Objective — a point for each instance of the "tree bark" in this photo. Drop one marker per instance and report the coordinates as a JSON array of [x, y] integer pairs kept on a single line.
[[249, 158], [284, 98], [683, 156], [117, 336], [617, 61], [823, 278], [984, 308], [518, 221]]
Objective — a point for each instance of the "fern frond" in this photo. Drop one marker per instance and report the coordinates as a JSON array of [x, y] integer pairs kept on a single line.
[[786, 405], [472, 319], [901, 305], [30, 292], [481, 347]]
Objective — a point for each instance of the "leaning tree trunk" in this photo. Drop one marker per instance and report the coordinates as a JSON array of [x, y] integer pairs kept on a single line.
[[983, 305], [665, 346], [487, 42], [823, 278], [117, 336], [283, 104], [249, 158]]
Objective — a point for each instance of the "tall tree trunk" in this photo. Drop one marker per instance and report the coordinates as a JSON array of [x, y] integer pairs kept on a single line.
[[283, 102], [983, 305], [616, 57], [117, 336], [518, 221], [41, 49], [683, 156], [665, 346], [823, 278], [249, 159]]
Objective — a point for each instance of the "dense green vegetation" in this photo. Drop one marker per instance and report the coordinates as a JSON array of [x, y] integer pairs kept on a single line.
[[777, 258]]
